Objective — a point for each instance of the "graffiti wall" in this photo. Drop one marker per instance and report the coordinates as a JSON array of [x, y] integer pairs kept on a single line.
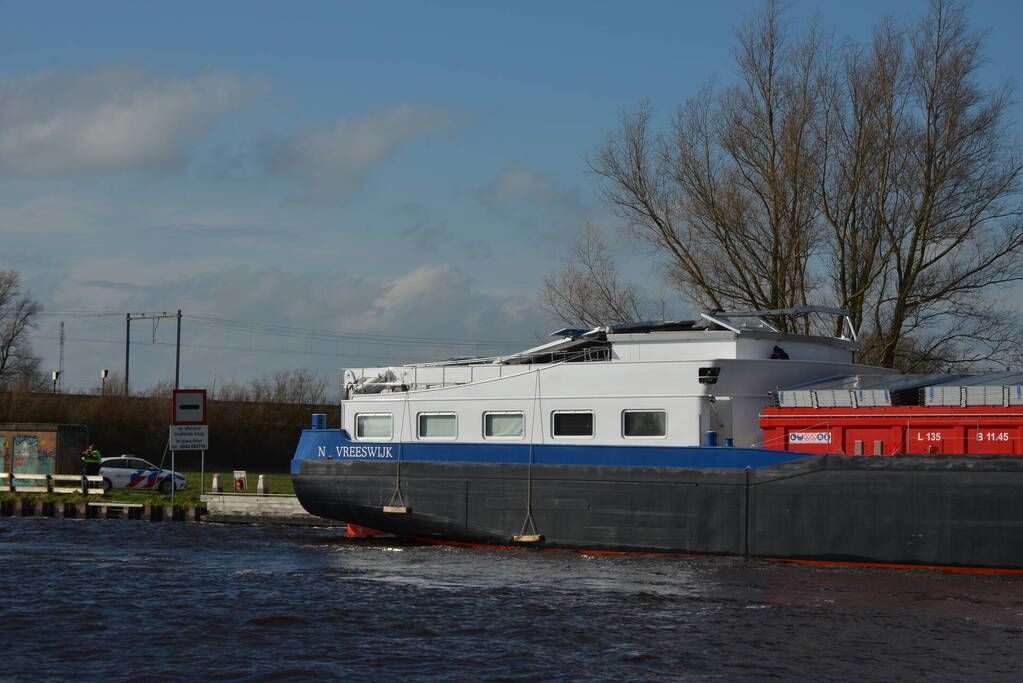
[[41, 449], [30, 457]]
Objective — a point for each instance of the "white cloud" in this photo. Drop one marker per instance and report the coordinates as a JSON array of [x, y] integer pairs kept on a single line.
[[56, 211], [438, 306], [109, 118], [441, 302], [519, 184], [332, 161], [412, 296], [535, 204]]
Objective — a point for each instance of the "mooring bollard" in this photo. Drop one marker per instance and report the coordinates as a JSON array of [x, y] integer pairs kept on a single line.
[[261, 486], [217, 486]]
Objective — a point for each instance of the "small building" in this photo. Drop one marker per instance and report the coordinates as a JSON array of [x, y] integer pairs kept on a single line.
[[41, 448]]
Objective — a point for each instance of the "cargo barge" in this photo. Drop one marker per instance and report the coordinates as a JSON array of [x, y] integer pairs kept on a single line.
[[721, 436]]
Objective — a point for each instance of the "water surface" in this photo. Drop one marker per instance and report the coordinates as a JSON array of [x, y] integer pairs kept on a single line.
[[121, 600]]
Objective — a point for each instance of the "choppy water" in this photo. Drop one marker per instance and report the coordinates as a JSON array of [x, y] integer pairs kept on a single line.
[[94, 600]]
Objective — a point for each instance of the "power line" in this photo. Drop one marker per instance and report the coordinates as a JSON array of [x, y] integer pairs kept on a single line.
[[270, 329], [216, 347], [78, 314], [282, 330]]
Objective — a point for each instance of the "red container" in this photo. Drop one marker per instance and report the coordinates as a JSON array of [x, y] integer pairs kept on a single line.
[[898, 429]]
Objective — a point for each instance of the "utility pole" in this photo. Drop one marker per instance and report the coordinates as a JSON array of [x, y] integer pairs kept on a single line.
[[128, 317], [60, 365], [127, 348], [177, 355]]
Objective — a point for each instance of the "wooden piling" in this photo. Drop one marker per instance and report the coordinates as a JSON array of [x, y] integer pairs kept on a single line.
[[34, 507]]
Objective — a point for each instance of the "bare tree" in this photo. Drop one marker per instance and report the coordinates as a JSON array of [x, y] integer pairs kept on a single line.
[[862, 130], [588, 290], [955, 221], [289, 386], [114, 386], [17, 316], [880, 175], [283, 386], [920, 188], [727, 197]]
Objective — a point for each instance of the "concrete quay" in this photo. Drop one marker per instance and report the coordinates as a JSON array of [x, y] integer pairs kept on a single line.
[[227, 508], [268, 508]]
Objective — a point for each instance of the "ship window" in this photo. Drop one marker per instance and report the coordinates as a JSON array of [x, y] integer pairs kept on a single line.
[[503, 425], [572, 423], [438, 426], [643, 423], [373, 426]]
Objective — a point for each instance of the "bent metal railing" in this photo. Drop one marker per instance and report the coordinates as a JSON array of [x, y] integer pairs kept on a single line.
[[412, 379], [88, 484]]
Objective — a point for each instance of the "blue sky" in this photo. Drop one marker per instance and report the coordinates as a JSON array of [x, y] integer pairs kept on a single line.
[[402, 169]]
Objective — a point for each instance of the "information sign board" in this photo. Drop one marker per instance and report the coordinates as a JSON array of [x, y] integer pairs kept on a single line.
[[189, 437]]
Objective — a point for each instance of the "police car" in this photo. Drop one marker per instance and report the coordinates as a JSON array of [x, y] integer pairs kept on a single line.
[[136, 474]]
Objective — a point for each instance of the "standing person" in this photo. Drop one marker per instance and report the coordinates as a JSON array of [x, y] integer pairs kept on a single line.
[[90, 460]]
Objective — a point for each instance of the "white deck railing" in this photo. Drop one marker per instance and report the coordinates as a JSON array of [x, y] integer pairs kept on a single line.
[[48, 483]]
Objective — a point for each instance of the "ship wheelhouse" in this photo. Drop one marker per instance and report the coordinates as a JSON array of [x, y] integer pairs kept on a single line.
[[650, 383]]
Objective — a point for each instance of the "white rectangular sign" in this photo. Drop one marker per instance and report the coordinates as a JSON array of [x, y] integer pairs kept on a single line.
[[189, 437], [189, 407]]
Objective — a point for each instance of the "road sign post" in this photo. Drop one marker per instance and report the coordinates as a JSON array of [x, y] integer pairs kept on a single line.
[[188, 429]]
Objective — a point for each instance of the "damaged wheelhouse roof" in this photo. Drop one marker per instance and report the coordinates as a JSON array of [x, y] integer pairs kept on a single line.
[[576, 344], [715, 334]]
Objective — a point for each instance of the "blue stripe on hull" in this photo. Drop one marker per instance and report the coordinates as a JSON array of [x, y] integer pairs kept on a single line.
[[334, 444]]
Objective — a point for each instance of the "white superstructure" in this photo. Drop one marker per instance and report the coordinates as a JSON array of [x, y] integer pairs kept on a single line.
[[634, 385]]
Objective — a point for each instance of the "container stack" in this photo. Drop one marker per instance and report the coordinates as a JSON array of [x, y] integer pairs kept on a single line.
[[859, 391], [921, 414], [989, 389]]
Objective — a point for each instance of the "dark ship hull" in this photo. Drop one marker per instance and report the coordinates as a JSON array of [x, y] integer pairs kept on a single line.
[[941, 510]]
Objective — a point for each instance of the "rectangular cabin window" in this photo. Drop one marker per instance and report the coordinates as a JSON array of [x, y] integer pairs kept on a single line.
[[373, 426], [438, 426], [571, 423], [503, 425], [639, 424]]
